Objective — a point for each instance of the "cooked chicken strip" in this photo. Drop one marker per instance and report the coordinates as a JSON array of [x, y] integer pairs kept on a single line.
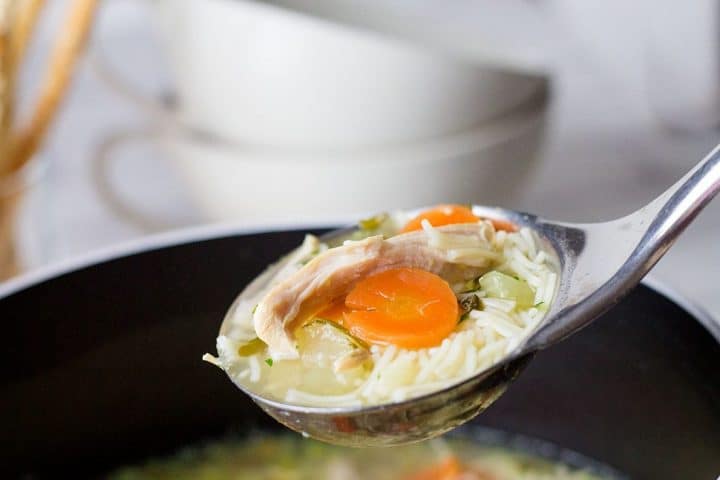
[[444, 251], [240, 326]]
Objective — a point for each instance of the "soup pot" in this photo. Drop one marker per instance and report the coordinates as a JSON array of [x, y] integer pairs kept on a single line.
[[101, 367]]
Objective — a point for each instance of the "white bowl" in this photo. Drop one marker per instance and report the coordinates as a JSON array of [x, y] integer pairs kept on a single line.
[[268, 76], [489, 164]]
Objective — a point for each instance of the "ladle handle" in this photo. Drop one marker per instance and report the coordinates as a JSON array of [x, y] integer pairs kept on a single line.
[[670, 213], [629, 248]]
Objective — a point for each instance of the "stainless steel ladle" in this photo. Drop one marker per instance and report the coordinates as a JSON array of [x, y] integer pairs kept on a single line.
[[599, 264]]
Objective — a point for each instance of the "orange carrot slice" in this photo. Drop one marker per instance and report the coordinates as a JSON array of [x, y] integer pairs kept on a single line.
[[450, 215], [447, 469], [442, 215], [407, 307]]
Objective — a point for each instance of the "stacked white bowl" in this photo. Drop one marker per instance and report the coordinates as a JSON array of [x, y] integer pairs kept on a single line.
[[283, 116]]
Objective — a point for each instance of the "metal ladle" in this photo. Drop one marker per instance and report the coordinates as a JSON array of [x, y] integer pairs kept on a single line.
[[599, 264]]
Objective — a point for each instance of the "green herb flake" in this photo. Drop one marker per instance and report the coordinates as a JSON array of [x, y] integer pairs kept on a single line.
[[373, 223], [269, 362], [538, 304], [467, 304], [471, 302], [253, 309]]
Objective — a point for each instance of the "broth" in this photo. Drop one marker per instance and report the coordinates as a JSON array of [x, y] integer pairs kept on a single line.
[[290, 457]]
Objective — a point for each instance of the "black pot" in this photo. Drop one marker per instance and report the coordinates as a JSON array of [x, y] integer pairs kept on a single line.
[[101, 367]]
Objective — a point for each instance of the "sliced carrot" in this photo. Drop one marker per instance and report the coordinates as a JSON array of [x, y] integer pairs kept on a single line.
[[407, 307], [450, 215], [442, 215], [447, 469]]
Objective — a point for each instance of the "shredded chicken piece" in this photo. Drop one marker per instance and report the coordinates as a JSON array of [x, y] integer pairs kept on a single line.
[[333, 273]]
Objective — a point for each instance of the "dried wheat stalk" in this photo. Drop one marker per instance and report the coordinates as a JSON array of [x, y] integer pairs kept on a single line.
[[8, 213], [18, 144], [71, 40], [25, 17], [7, 11]]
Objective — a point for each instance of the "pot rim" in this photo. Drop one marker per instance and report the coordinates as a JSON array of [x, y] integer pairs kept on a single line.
[[211, 232]]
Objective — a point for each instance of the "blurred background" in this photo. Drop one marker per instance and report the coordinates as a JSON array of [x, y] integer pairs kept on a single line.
[[125, 118]]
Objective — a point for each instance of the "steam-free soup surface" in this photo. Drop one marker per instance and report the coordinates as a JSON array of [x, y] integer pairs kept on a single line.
[[290, 457]]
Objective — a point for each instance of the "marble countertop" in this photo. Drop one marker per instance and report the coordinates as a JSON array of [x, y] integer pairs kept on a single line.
[[605, 155]]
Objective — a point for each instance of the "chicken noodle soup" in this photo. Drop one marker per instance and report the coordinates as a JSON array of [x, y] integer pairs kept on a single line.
[[405, 306], [287, 457]]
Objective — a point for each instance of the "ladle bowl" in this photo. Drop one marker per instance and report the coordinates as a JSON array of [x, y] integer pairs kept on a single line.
[[599, 264]]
